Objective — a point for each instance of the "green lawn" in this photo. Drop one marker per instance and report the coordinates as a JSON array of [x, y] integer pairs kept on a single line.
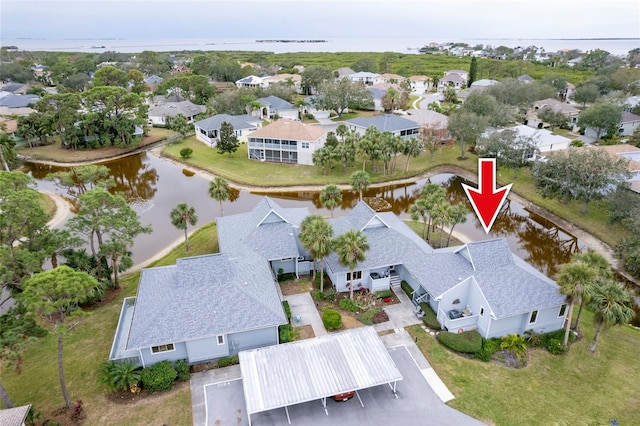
[[578, 388], [264, 174], [86, 348]]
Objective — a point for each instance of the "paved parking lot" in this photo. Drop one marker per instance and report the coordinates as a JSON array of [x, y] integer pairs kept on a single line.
[[417, 404]]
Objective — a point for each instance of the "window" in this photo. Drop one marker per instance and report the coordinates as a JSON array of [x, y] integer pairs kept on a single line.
[[563, 309], [305, 145], [162, 348], [534, 317], [357, 275], [221, 339], [481, 311]]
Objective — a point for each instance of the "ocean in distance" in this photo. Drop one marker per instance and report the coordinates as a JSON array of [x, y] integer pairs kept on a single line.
[[382, 44]]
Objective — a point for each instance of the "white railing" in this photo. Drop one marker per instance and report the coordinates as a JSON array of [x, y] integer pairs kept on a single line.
[[453, 325]]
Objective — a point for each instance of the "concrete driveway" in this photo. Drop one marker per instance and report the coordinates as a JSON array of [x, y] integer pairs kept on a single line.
[[417, 404]]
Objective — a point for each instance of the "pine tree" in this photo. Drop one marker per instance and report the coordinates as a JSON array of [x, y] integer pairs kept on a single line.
[[473, 71], [228, 142]]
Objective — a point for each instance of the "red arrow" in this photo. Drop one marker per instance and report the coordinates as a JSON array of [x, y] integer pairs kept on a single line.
[[487, 201]]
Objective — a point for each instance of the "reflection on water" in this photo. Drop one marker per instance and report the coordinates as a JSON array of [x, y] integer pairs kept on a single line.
[[137, 178]]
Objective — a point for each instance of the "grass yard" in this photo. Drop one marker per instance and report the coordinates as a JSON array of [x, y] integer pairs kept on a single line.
[[54, 152], [86, 348], [241, 170], [578, 388]]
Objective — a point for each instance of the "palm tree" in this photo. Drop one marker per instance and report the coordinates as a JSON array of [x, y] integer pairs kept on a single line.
[[351, 247], [360, 181], [182, 216], [412, 148], [441, 217], [573, 278], [331, 197], [419, 210], [611, 303], [342, 131], [316, 236], [219, 190], [457, 214], [516, 344], [601, 265]]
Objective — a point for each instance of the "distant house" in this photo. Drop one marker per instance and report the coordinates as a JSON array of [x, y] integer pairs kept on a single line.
[[378, 91], [430, 119], [10, 100], [152, 82], [180, 69], [343, 72], [367, 78], [390, 78], [159, 114], [386, 123], [15, 88], [39, 70], [632, 154], [545, 140], [273, 106], [311, 108], [482, 85], [420, 83], [525, 78], [295, 80], [208, 130], [631, 102], [251, 82], [628, 124], [569, 111], [479, 286], [286, 141], [456, 79]]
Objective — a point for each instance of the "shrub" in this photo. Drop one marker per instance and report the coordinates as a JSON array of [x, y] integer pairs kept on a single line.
[[367, 316], [331, 294], [182, 368], [349, 305], [287, 309], [533, 338], [555, 346], [119, 375], [468, 342], [186, 153], [489, 347], [384, 294], [406, 288], [317, 295], [286, 333], [430, 318], [159, 377], [576, 143], [227, 361], [515, 344], [331, 319]]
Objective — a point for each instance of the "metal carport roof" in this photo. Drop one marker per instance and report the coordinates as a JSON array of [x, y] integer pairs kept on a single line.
[[312, 369]]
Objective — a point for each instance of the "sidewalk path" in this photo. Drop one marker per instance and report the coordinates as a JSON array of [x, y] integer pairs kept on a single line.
[[303, 307], [400, 315]]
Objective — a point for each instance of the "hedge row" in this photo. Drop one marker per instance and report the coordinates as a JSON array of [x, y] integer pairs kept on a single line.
[[469, 342], [430, 318]]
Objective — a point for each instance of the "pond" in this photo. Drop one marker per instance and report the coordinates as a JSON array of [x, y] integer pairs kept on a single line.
[[153, 187]]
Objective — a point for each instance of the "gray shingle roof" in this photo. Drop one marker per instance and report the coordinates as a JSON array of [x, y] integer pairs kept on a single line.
[[18, 101], [172, 109], [386, 122], [237, 121], [14, 416], [376, 93], [153, 79], [204, 296], [12, 87], [275, 102]]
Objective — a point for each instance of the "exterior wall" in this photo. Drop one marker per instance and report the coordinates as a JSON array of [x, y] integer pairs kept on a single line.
[[554, 147], [180, 352], [157, 120], [210, 138], [546, 322], [305, 155], [206, 349], [625, 129], [252, 339], [288, 266], [288, 113]]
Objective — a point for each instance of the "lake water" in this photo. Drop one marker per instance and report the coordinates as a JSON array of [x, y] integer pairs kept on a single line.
[[154, 186], [382, 44]]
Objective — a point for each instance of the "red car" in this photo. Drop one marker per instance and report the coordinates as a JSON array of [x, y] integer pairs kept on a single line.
[[345, 396]]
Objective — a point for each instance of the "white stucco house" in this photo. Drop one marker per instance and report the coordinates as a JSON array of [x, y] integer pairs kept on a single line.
[[251, 82], [568, 110], [364, 77], [628, 124], [420, 83], [273, 107], [208, 130], [295, 80], [545, 140], [457, 79], [286, 141]]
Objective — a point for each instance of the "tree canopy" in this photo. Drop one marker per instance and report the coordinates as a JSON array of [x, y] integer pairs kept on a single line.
[[338, 96]]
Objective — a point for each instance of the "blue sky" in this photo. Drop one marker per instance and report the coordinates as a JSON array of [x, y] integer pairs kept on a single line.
[[145, 19]]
